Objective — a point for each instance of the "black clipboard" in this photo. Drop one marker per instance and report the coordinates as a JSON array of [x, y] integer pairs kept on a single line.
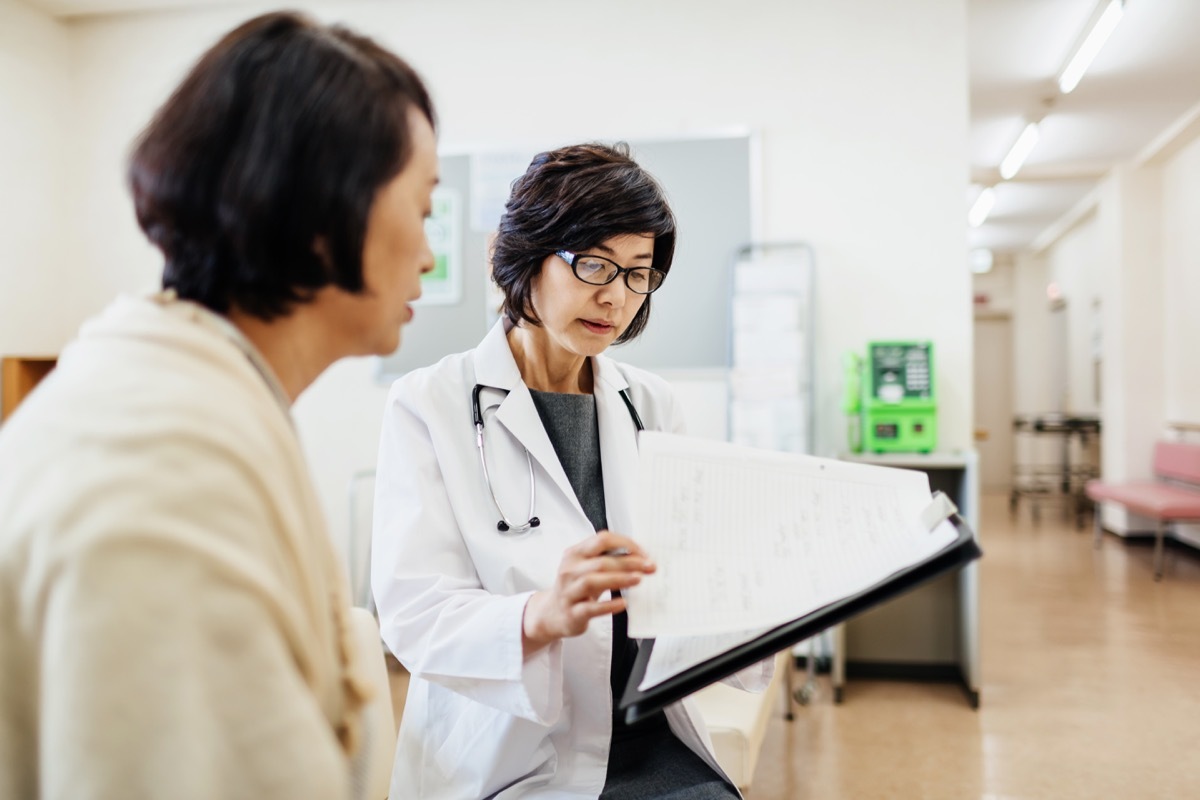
[[638, 704]]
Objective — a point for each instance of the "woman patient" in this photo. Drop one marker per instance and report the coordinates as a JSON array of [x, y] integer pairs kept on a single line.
[[173, 615]]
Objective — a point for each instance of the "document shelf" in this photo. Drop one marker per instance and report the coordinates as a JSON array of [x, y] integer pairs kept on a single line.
[[639, 704]]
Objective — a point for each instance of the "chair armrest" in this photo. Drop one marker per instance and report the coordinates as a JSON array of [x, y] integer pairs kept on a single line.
[[372, 767]]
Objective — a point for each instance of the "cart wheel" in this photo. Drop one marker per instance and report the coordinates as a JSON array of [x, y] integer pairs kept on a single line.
[[805, 694]]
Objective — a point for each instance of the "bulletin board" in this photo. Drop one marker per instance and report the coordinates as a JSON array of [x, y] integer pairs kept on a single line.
[[709, 184]]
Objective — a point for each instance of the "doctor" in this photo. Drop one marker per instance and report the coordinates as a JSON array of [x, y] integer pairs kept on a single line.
[[504, 476]]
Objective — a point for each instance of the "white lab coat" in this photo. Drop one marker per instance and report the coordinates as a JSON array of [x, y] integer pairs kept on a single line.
[[480, 720]]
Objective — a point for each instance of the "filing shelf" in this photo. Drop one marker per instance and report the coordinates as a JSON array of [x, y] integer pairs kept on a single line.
[[18, 377]]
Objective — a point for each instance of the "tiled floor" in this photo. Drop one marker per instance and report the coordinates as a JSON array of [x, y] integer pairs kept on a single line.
[[1091, 688]]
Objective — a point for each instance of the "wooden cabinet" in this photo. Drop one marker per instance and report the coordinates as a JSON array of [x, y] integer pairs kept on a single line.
[[18, 376]]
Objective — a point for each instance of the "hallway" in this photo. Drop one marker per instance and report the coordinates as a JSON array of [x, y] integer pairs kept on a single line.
[[1091, 687]]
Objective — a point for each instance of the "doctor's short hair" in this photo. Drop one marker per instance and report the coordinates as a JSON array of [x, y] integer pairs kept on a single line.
[[575, 198], [256, 177]]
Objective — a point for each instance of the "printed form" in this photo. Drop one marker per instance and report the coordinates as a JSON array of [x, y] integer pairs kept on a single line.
[[746, 540]]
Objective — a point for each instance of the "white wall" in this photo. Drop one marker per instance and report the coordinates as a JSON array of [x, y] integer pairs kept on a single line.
[[36, 312], [862, 109], [1137, 255], [1181, 267], [1047, 380], [1074, 265], [997, 286], [1032, 380], [1133, 389], [1181, 264]]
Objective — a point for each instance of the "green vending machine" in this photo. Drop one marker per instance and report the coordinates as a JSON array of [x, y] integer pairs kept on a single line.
[[899, 411]]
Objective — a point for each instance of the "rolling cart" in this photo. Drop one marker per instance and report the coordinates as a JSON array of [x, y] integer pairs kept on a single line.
[[1056, 455]]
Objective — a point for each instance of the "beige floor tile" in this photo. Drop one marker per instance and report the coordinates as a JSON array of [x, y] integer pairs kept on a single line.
[[1090, 688]]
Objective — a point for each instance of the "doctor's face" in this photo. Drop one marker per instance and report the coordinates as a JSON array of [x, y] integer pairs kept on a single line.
[[583, 318]]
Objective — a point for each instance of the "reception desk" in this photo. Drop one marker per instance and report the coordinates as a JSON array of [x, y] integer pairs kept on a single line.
[[931, 633]]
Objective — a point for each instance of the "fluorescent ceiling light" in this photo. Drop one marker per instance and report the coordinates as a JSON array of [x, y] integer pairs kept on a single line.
[[980, 260], [982, 207], [1020, 151], [1094, 40]]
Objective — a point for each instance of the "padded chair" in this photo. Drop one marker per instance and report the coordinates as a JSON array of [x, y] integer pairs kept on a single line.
[[737, 722], [372, 768]]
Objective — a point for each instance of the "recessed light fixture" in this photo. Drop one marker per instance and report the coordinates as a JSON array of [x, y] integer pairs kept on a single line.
[[980, 260]]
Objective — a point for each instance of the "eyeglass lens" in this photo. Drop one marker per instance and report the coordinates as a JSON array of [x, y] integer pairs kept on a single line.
[[642, 280]]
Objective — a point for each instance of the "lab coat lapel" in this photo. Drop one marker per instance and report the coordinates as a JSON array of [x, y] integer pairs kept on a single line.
[[618, 446], [495, 367]]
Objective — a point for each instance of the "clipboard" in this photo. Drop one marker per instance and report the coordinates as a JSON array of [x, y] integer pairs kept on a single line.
[[639, 704]]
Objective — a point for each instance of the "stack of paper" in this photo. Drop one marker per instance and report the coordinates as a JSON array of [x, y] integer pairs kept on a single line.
[[747, 539]]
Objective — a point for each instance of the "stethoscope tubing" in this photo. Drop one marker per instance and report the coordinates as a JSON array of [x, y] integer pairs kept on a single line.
[[506, 526]]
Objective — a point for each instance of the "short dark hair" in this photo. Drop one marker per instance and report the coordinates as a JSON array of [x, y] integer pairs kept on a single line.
[[575, 198], [278, 139]]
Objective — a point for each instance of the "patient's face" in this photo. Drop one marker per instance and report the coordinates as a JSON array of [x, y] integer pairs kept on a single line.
[[395, 252]]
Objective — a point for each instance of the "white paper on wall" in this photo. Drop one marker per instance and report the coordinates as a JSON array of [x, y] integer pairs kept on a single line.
[[774, 382], [776, 313], [758, 349], [768, 278]]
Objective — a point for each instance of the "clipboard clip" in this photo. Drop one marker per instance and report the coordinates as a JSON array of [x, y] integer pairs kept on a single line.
[[940, 509]]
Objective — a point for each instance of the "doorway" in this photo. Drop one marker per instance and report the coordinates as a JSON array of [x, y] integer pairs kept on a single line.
[[994, 400]]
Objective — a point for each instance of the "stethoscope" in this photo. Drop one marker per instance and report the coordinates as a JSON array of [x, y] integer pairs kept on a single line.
[[505, 525]]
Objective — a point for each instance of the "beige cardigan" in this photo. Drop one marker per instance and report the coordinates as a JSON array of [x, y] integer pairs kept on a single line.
[[172, 612]]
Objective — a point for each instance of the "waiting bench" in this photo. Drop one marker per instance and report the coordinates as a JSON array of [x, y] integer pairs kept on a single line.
[[1174, 497]]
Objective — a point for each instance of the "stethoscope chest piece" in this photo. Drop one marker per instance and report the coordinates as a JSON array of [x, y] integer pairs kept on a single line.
[[504, 527]]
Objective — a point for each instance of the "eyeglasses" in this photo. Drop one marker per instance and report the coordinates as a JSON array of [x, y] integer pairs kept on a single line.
[[598, 270]]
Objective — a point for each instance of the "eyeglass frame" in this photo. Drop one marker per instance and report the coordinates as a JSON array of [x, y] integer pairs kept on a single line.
[[623, 272]]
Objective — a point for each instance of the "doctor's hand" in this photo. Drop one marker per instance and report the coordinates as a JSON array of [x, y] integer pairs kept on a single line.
[[603, 563]]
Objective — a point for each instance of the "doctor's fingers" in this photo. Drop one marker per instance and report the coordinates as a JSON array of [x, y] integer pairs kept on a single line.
[[592, 556], [610, 563], [609, 543], [590, 586], [583, 613]]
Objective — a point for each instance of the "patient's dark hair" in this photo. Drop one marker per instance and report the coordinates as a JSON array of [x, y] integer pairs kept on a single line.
[[256, 177], [575, 198]]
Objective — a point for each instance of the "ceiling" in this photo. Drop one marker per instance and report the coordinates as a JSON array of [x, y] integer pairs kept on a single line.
[[1144, 81], [85, 8]]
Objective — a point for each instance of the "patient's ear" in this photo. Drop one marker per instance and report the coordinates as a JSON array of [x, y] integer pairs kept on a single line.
[[324, 254], [320, 246]]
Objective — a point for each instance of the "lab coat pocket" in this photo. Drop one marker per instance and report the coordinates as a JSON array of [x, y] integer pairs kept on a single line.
[[493, 747]]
